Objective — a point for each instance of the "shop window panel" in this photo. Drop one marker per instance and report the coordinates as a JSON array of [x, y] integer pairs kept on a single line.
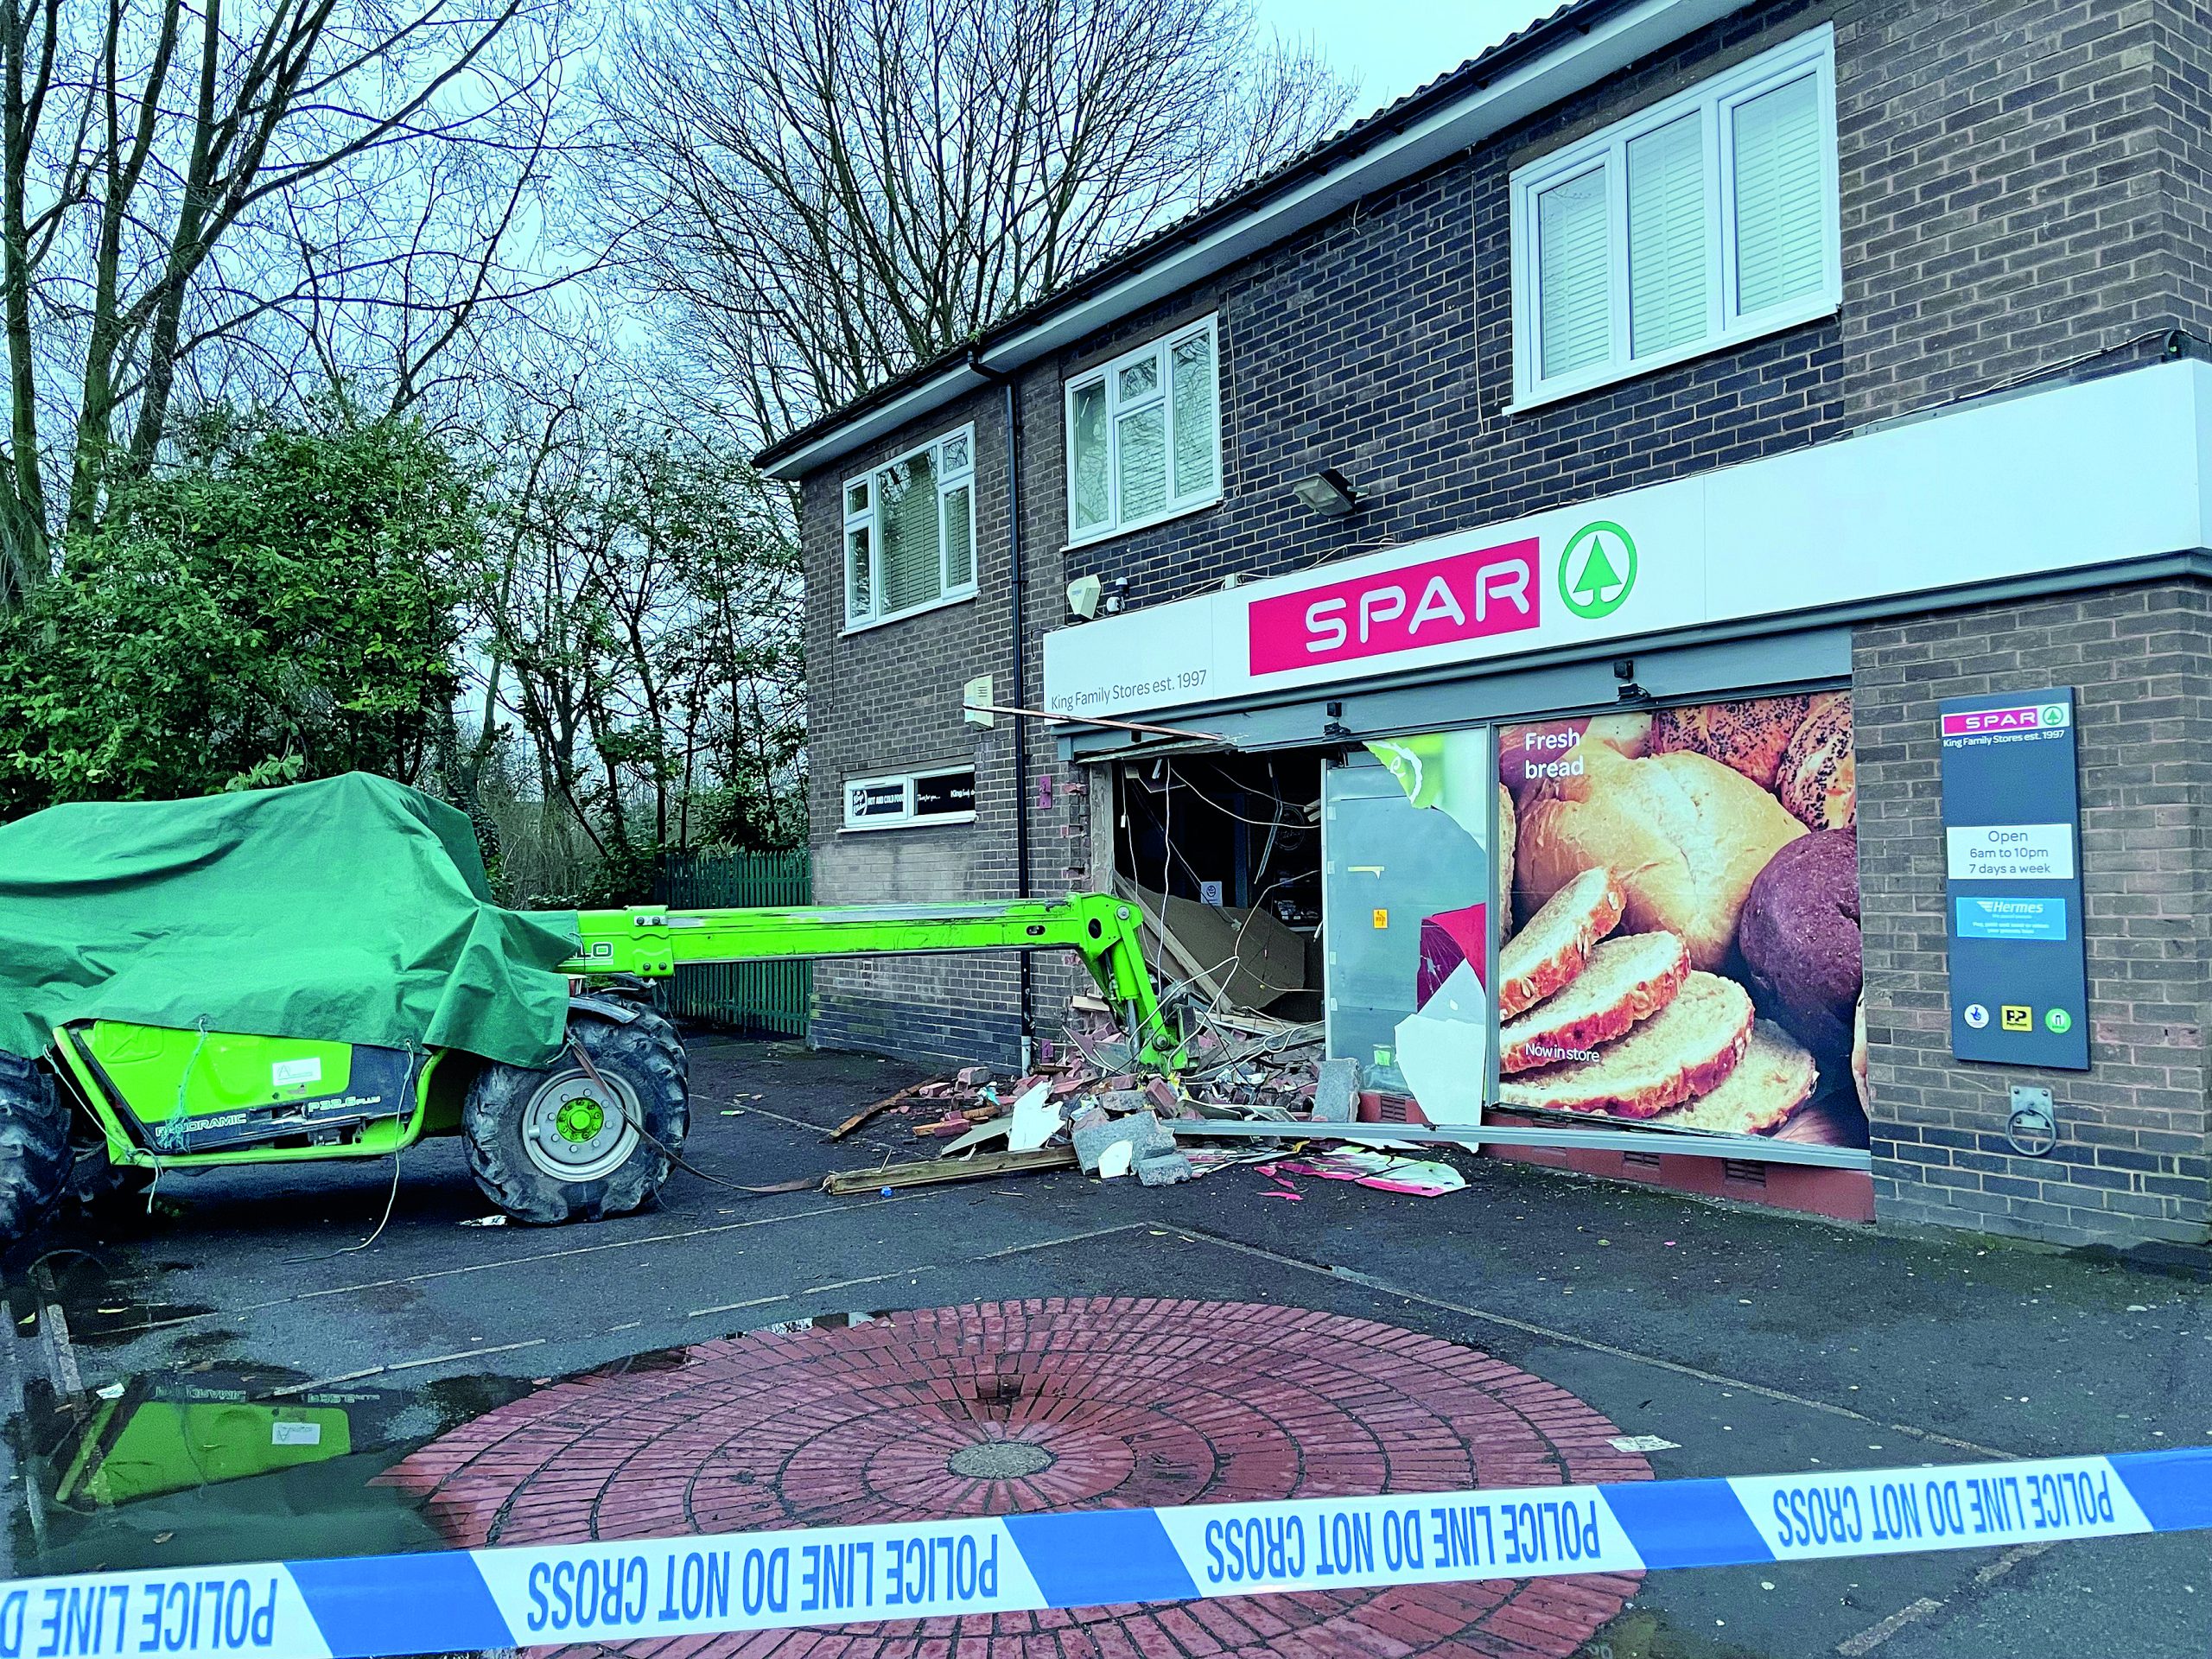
[[1384, 860]]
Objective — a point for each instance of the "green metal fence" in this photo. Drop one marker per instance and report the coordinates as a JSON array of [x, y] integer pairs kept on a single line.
[[767, 996]]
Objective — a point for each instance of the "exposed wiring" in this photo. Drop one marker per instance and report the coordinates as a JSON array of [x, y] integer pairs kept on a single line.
[[398, 1151]]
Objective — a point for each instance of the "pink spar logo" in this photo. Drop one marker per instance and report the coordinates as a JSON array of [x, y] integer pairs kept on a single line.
[[2031, 717], [1439, 602]]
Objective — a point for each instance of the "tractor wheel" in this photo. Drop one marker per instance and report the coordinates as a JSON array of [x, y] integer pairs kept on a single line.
[[550, 1144], [97, 1180], [33, 1147]]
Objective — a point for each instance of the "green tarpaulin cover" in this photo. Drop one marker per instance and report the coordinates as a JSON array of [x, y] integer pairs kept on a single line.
[[352, 910]]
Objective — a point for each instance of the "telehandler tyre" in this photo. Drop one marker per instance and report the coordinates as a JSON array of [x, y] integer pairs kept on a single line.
[[552, 1144], [34, 1159]]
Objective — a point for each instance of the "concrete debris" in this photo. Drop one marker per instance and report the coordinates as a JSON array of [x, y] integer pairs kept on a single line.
[[1164, 1169], [1336, 1095], [1092, 1095]]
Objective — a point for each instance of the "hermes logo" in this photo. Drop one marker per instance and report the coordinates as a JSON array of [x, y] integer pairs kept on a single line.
[[1460, 596]]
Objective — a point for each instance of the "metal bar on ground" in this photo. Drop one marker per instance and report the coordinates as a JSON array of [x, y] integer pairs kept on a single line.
[[1676, 1143]]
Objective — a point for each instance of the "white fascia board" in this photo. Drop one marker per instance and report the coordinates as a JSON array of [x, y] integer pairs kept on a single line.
[[1607, 49], [933, 393]]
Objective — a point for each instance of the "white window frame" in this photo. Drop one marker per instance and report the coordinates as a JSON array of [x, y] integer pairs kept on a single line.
[[1715, 99], [906, 818], [1109, 374], [867, 518]]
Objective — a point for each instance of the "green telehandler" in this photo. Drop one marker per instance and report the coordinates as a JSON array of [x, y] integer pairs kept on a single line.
[[593, 1134]]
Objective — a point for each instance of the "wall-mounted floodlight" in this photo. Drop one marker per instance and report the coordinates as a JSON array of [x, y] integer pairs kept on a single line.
[[1328, 493]]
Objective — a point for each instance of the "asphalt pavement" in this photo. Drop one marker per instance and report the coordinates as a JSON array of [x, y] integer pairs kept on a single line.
[[1755, 1342]]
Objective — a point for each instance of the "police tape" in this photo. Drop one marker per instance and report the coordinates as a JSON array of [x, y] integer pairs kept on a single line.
[[619, 1590]]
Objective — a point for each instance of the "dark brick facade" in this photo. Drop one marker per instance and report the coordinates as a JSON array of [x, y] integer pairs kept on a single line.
[[2132, 1158], [2025, 185]]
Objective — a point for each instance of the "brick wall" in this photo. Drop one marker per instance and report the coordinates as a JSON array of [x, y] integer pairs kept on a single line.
[[2022, 183], [887, 700], [2132, 1160]]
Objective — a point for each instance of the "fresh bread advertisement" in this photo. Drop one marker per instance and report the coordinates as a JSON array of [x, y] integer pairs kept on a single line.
[[1684, 951]]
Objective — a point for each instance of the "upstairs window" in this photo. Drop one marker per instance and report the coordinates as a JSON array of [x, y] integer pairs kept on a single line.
[[1144, 435], [1705, 220], [909, 532]]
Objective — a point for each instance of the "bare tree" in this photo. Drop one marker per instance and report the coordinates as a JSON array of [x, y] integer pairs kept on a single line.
[[832, 190], [202, 201]]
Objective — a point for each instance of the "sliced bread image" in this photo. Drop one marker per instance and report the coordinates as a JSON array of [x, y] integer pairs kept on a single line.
[[1628, 977], [1553, 943], [1774, 1078], [1685, 1050]]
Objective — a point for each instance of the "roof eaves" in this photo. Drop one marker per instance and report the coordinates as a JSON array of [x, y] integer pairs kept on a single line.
[[965, 367]]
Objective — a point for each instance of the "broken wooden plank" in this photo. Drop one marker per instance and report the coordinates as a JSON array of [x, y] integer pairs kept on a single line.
[[935, 1172], [908, 1093]]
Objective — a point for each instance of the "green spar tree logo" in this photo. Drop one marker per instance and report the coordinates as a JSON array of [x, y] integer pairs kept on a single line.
[[1597, 570]]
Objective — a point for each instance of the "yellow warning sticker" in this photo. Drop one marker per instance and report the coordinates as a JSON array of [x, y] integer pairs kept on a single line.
[[1382, 918]]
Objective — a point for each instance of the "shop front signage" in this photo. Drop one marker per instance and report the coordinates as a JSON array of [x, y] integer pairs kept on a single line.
[[2012, 906], [2067, 480], [1473, 596]]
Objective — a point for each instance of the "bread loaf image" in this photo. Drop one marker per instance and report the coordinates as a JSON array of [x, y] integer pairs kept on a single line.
[[1628, 977], [1774, 1078], [1684, 1051], [1749, 736], [1683, 835], [1550, 950]]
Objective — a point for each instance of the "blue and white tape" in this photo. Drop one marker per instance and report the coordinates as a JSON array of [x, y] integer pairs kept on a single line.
[[625, 1590]]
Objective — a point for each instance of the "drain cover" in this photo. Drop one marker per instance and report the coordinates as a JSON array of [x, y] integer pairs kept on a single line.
[[1000, 1460]]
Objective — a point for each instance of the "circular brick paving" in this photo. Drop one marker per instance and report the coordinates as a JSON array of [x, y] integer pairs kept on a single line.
[[1003, 1408]]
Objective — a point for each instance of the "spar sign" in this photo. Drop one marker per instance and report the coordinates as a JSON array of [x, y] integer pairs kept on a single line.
[[1566, 579], [1473, 595]]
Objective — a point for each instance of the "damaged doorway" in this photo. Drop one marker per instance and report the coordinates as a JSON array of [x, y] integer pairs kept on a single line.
[[1223, 854]]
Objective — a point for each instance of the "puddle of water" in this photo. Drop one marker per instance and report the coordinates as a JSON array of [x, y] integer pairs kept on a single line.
[[105, 1306], [204, 1463], [1642, 1633]]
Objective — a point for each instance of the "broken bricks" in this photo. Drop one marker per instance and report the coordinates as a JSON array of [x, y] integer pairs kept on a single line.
[[1095, 1130]]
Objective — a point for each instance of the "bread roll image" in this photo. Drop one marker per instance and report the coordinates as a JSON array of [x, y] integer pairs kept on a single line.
[[1799, 939], [1818, 779], [1749, 736], [1684, 837]]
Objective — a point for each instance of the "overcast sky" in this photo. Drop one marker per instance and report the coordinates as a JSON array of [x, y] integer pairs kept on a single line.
[[1394, 46]]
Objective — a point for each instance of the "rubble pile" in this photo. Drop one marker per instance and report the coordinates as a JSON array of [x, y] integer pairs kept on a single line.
[[1088, 1092]]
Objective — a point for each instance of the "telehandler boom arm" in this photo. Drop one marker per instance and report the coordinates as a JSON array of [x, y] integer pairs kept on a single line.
[[654, 941]]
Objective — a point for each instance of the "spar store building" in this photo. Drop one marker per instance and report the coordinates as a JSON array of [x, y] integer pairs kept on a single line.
[[1691, 528]]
